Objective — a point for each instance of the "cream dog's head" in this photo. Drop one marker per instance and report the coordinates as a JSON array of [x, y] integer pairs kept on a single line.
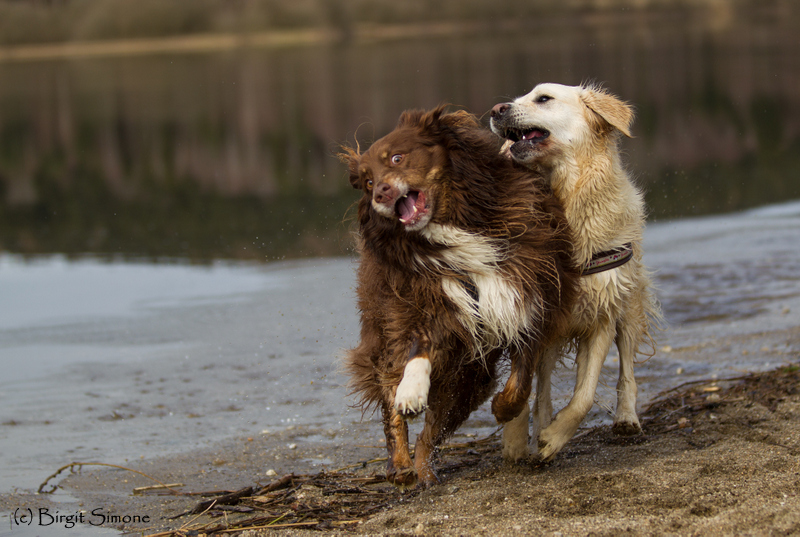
[[555, 121]]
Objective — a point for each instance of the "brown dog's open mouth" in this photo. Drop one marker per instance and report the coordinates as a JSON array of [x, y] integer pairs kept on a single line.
[[411, 207]]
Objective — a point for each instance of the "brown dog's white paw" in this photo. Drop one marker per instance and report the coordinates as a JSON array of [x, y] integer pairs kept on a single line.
[[411, 398]]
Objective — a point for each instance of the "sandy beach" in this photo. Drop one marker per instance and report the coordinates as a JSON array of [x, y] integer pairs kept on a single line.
[[237, 408]]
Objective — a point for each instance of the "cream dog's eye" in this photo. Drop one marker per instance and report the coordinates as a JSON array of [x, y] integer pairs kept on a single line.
[[397, 159], [544, 99]]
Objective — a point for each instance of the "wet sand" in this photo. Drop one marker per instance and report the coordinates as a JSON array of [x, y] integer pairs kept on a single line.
[[730, 291]]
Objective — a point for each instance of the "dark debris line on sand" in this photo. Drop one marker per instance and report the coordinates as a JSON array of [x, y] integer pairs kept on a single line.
[[674, 409], [323, 501]]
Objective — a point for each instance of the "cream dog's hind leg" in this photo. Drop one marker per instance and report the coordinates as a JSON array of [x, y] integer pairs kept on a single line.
[[543, 407], [515, 432], [625, 420], [592, 352]]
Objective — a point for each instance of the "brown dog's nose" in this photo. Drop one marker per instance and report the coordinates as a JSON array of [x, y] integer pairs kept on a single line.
[[500, 109], [384, 193]]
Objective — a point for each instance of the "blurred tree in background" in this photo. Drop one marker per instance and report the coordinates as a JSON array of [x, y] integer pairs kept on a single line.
[[48, 21]]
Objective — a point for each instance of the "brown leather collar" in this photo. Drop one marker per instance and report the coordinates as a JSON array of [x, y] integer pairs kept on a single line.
[[610, 259]]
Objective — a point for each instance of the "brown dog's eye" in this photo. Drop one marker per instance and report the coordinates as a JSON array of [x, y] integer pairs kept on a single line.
[[369, 183], [397, 159]]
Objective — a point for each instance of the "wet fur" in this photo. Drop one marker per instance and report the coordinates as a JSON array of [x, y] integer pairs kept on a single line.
[[487, 227], [604, 210]]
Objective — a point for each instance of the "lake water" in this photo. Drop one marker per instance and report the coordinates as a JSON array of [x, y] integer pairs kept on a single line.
[[231, 155], [154, 211]]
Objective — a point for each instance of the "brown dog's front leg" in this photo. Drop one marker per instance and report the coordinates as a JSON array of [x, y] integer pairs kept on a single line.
[[509, 403], [411, 397], [424, 452], [399, 468]]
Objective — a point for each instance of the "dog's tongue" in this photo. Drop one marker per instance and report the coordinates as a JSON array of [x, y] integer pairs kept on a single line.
[[535, 133], [406, 206]]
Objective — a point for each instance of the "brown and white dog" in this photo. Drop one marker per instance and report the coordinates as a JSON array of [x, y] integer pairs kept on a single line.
[[570, 135], [464, 256]]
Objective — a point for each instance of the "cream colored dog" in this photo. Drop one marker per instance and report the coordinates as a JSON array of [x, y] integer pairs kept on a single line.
[[571, 134]]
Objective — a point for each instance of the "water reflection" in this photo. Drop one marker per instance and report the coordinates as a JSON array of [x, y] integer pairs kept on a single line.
[[230, 155]]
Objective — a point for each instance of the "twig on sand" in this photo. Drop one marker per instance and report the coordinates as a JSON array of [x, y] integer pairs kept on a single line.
[[227, 499], [73, 465], [140, 490]]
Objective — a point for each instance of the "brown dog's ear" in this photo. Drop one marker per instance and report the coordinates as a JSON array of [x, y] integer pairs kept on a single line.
[[411, 118], [459, 127], [461, 119], [615, 112], [427, 121], [350, 156]]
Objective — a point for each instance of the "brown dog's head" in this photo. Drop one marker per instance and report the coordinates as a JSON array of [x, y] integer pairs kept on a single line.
[[404, 175], [554, 121]]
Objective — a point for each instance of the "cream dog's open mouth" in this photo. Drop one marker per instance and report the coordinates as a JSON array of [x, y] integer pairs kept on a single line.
[[533, 135]]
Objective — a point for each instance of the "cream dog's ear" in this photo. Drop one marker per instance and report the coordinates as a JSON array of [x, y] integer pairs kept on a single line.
[[612, 110]]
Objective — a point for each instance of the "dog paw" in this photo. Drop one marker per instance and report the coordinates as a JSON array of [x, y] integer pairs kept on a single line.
[[411, 400], [515, 438], [411, 397], [549, 444], [626, 428], [547, 452], [410, 413], [402, 478], [515, 452], [427, 479]]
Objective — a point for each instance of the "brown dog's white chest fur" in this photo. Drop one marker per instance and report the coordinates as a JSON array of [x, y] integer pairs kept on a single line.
[[490, 304]]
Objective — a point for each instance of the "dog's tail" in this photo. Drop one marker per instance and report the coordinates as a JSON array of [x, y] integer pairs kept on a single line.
[[654, 318]]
